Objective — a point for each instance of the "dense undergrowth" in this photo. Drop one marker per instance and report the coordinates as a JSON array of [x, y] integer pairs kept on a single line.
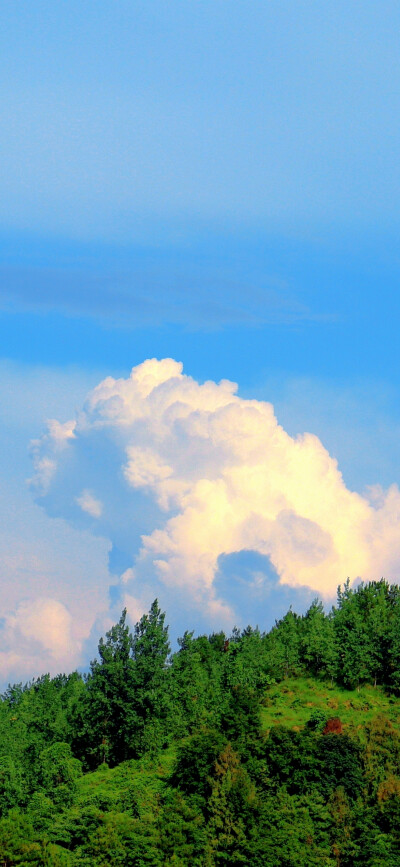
[[270, 750]]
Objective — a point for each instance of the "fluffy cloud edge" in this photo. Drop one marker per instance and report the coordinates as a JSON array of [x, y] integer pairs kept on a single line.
[[222, 475], [38, 637]]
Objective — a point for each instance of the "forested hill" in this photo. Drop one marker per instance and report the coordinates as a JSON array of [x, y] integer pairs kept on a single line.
[[273, 750]]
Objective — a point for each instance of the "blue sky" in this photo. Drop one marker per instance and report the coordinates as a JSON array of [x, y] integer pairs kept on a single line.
[[210, 182]]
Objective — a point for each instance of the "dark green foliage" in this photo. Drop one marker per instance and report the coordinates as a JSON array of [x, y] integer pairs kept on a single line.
[[338, 763], [292, 831], [230, 810], [240, 720], [182, 833], [106, 717], [150, 700], [290, 757], [284, 646], [125, 705], [59, 772], [366, 635], [197, 677], [11, 784], [317, 646], [317, 721], [195, 763]]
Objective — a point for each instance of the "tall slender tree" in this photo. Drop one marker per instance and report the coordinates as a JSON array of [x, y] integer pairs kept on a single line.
[[151, 702], [107, 712]]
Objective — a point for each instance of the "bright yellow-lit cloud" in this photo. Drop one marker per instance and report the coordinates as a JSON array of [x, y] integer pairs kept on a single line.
[[226, 477]]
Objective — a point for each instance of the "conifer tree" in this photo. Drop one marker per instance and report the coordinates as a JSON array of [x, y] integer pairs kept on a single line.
[[151, 701], [108, 719]]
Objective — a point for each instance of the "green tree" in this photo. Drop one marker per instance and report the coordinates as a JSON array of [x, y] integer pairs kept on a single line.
[[11, 784], [124, 709], [230, 808], [195, 762], [393, 658], [317, 645], [339, 763], [151, 696], [59, 773], [182, 834], [106, 720], [195, 684], [283, 646], [352, 640], [240, 720]]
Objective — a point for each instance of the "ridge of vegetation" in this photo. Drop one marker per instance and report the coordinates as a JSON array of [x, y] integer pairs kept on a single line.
[[273, 749]]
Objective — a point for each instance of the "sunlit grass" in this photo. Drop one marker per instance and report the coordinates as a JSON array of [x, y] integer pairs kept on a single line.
[[145, 779], [292, 703]]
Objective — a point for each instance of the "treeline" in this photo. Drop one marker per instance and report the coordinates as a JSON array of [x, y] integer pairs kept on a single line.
[[358, 642], [193, 777]]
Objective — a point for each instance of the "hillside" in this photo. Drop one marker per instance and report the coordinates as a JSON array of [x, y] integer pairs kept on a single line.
[[252, 749], [292, 702]]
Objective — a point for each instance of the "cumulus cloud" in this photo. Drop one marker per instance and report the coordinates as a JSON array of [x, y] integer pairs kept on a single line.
[[90, 504], [57, 437], [38, 637], [180, 474]]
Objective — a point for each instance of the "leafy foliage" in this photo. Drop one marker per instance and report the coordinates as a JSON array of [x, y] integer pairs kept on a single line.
[[250, 749]]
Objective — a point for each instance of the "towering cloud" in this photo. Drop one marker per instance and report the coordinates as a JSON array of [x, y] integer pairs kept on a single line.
[[177, 474]]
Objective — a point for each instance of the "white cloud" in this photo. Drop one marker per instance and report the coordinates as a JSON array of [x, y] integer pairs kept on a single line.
[[90, 504], [42, 558], [38, 637], [57, 438], [357, 421], [188, 472]]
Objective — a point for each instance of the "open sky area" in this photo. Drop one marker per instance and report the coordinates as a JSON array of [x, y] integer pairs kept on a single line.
[[202, 193]]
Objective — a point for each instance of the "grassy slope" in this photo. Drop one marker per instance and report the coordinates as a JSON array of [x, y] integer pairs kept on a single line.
[[290, 703], [144, 779]]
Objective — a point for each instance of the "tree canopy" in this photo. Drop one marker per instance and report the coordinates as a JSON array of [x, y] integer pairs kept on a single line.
[[217, 754]]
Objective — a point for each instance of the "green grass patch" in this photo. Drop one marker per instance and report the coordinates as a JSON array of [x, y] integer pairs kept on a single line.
[[140, 783], [292, 703]]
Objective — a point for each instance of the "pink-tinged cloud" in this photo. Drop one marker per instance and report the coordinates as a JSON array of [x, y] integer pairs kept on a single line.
[[38, 637]]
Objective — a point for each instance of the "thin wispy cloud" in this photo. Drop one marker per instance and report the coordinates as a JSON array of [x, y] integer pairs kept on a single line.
[[138, 297]]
